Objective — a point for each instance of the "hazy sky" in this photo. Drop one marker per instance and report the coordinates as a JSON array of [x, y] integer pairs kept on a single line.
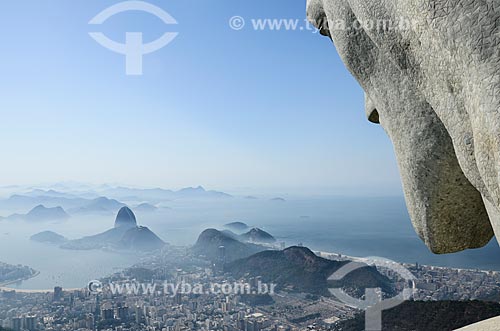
[[234, 110]]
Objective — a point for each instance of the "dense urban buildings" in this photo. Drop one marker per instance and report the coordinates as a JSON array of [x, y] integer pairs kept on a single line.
[[149, 297]]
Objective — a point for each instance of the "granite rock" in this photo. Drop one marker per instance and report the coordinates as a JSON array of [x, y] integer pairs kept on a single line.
[[431, 73]]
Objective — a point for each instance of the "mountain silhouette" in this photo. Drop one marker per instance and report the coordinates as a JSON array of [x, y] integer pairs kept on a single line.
[[300, 270], [257, 235], [125, 218], [210, 241], [42, 214], [124, 235]]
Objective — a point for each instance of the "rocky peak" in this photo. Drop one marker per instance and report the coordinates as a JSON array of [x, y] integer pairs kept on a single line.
[[125, 218]]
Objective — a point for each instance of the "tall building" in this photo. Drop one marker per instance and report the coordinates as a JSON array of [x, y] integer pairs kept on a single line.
[[17, 324], [123, 313], [97, 311], [241, 324], [107, 314], [222, 254], [178, 299], [221, 259], [30, 323], [89, 322], [58, 293], [138, 314]]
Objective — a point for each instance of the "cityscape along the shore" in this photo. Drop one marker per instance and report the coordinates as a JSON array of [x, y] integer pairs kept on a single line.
[[86, 310]]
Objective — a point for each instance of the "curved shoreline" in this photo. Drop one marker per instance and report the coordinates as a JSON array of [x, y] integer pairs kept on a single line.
[[8, 289], [10, 282], [4, 286]]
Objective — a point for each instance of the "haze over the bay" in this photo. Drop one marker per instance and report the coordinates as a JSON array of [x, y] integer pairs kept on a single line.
[[70, 113]]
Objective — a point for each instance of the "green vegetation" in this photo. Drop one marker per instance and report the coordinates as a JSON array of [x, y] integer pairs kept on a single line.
[[299, 270]]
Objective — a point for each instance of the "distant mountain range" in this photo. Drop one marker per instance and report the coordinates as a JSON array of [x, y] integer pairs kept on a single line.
[[50, 193], [158, 194], [23, 202], [103, 200], [42, 214], [298, 269], [146, 208], [100, 205], [48, 237]]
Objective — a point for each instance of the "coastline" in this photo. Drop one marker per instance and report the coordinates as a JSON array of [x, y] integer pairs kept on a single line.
[[8, 289], [328, 255], [4, 286], [33, 275], [323, 254]]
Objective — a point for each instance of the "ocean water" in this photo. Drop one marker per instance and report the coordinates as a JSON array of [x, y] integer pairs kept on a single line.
[[57, 267], [351, 226]]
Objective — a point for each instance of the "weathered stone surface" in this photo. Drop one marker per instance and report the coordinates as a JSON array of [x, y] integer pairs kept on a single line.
[[432, 80], [492, 324]]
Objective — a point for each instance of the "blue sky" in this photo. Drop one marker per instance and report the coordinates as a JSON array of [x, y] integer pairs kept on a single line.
[[248, 111]]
